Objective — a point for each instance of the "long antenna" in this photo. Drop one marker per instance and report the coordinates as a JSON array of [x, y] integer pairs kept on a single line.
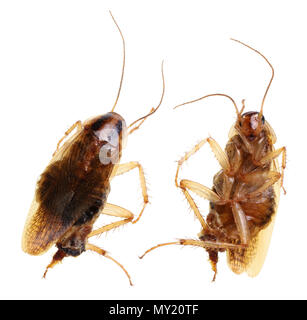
[[268, 87], [212, 95], [124, 60], [154, 109]]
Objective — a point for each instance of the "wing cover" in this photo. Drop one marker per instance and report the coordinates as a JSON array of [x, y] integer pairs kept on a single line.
[[252, 258], [62, 195]]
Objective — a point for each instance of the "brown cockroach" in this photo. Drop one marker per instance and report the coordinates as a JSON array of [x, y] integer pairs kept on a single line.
[[72, 191], [245, 193]]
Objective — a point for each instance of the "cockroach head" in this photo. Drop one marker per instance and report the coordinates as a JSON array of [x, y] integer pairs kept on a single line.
[[250, 124], [109, 128]]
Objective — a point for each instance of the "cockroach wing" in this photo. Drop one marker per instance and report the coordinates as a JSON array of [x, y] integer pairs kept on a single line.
[[251, 259], [264, 236], [260, 248], [271, 133], [40, 232], [60, 198]]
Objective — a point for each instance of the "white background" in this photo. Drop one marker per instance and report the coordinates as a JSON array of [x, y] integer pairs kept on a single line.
[[60, 61]]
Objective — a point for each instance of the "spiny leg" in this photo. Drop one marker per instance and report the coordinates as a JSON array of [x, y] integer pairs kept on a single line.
[[196, 243], [105, 254], [116, 211], [208, 194], [77, 124], [210, 246], [125, 167], [273, 155], [186, 157], [271, 178], [109, 227], [57, 258], [216, 149], [109, 209], [201, 191]]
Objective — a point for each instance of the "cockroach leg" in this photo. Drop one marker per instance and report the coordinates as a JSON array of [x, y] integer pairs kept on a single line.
[[125, 167], [209, 244], [272, 178], [109, 209], [241, 222], [109, 227], [197, 243], [246, 143], [79, 127], [194, 208], [202, 191], [213, 254], [208, 194], [213, 245], [273, 155], [212, 248], [220, 155], [186, 157], [57, 258], [104, 253], [115, 211], [216, 149]]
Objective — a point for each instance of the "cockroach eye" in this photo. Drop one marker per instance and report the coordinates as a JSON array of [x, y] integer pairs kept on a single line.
[[263, 119], [124, 134]]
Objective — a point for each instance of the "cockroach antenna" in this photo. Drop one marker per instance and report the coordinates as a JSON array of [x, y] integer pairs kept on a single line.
[[268, 87], [153, 110], [124, 61], [224, 95], [212, 95]]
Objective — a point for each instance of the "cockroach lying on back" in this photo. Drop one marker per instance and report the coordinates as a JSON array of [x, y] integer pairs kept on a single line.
[[72, 191], [245, 193]]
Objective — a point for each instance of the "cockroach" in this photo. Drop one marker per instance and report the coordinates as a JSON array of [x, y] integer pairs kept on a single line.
[[72, 192], [245, 193]]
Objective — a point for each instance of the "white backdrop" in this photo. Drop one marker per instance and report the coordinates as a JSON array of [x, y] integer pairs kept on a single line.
[[60, 62]]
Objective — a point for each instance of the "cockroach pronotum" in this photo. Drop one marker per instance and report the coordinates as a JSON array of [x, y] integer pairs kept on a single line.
[[245, 193], [72, 191]]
